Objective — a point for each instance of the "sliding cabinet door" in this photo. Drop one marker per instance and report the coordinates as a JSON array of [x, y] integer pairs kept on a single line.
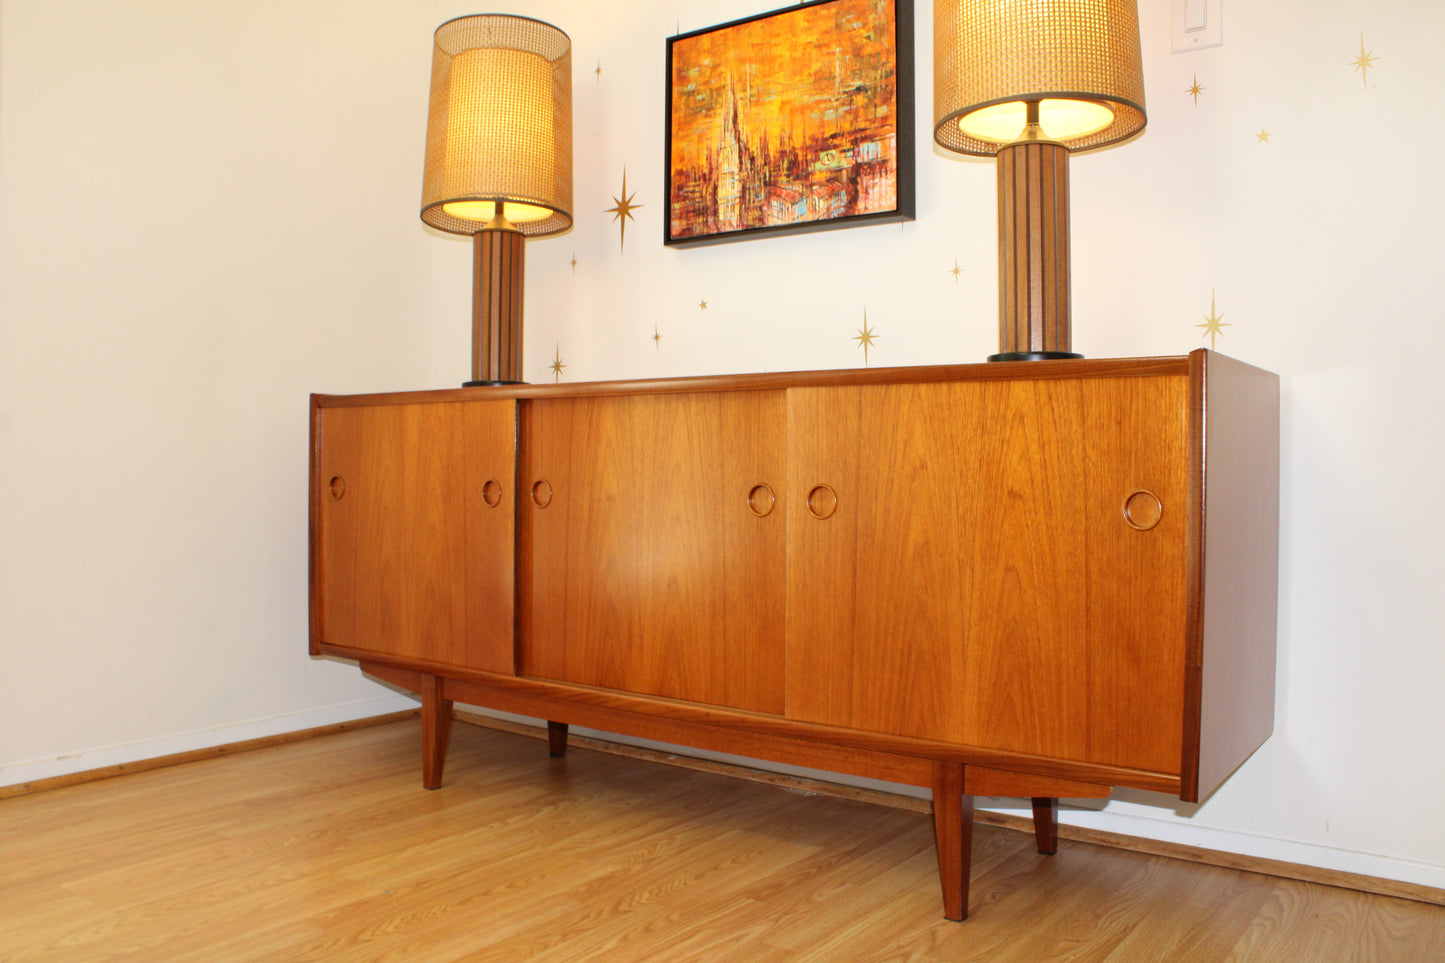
[[653, 538], [413, 531], [962, 567]]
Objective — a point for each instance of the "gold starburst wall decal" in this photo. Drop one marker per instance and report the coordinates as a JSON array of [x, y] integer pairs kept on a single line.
[[557, 364], [1262, 137], [1195, 90], [956, 271], [623, 211], [656, 338], [598, 71], [1364, 63], [1213, 323], [574, 262], [865, 337], [702, 305]]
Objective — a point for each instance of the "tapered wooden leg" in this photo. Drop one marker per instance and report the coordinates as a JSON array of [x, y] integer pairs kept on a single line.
[[1046, 824], [436, 729], [557, 738], [953, 832]]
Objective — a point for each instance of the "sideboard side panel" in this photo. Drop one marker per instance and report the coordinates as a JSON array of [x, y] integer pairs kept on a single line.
[[1236, 666]]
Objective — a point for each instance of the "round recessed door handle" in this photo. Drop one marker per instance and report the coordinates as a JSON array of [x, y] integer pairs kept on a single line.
[[1143, 510], [542, 493], [337, 487], [822, 502], [492, 492], [761, 501]]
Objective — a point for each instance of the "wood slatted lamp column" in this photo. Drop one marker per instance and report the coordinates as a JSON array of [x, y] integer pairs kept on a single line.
[[499, 164], [1032, 81]]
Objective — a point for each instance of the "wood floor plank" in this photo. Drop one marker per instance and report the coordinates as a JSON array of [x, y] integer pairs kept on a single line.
[[330, 850], [1302, 921]]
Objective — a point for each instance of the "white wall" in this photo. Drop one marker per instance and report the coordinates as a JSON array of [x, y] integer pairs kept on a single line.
[[154, 367], [207, 211]]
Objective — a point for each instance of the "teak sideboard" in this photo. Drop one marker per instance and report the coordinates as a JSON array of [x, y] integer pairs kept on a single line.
[[1033, 579]]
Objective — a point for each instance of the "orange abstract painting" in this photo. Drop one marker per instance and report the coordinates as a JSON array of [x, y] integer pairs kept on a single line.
[[791, 121]]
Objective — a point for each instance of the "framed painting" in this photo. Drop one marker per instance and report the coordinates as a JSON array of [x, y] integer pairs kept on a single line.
[[796, 120]]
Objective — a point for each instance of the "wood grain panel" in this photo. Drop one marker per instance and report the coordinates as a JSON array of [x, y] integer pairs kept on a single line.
[[822, 555], [648, 570], [412, 561], [489, 453], [876, 604], [978, 583], [1138, 437], [1025, 649], [952, 600]]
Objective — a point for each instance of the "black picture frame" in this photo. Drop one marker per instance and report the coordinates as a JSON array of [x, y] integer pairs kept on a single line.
[[792, 121]]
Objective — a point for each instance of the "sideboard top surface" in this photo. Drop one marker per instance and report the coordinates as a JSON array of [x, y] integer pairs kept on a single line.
[[761, 381]]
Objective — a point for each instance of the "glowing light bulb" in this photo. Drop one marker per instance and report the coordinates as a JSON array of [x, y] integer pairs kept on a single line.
[[1061, 120]]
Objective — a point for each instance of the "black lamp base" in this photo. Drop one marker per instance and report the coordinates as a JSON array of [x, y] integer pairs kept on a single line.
[[1033, 356], [489, 384]]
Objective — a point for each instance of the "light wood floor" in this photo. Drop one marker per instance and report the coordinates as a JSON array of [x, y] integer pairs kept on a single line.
[[329, 849]]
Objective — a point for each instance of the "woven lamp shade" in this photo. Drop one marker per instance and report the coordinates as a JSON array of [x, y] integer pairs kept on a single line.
[[993, 52], [500, 126]]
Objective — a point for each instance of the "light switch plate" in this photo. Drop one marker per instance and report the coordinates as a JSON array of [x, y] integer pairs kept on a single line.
[[1197, 24]]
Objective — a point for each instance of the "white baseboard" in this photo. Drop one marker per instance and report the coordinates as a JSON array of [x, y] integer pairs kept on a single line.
[[1259, 847], [102, 757]]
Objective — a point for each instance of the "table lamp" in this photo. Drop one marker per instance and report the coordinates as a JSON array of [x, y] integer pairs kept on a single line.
[[1031, 81], [499, 164]]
